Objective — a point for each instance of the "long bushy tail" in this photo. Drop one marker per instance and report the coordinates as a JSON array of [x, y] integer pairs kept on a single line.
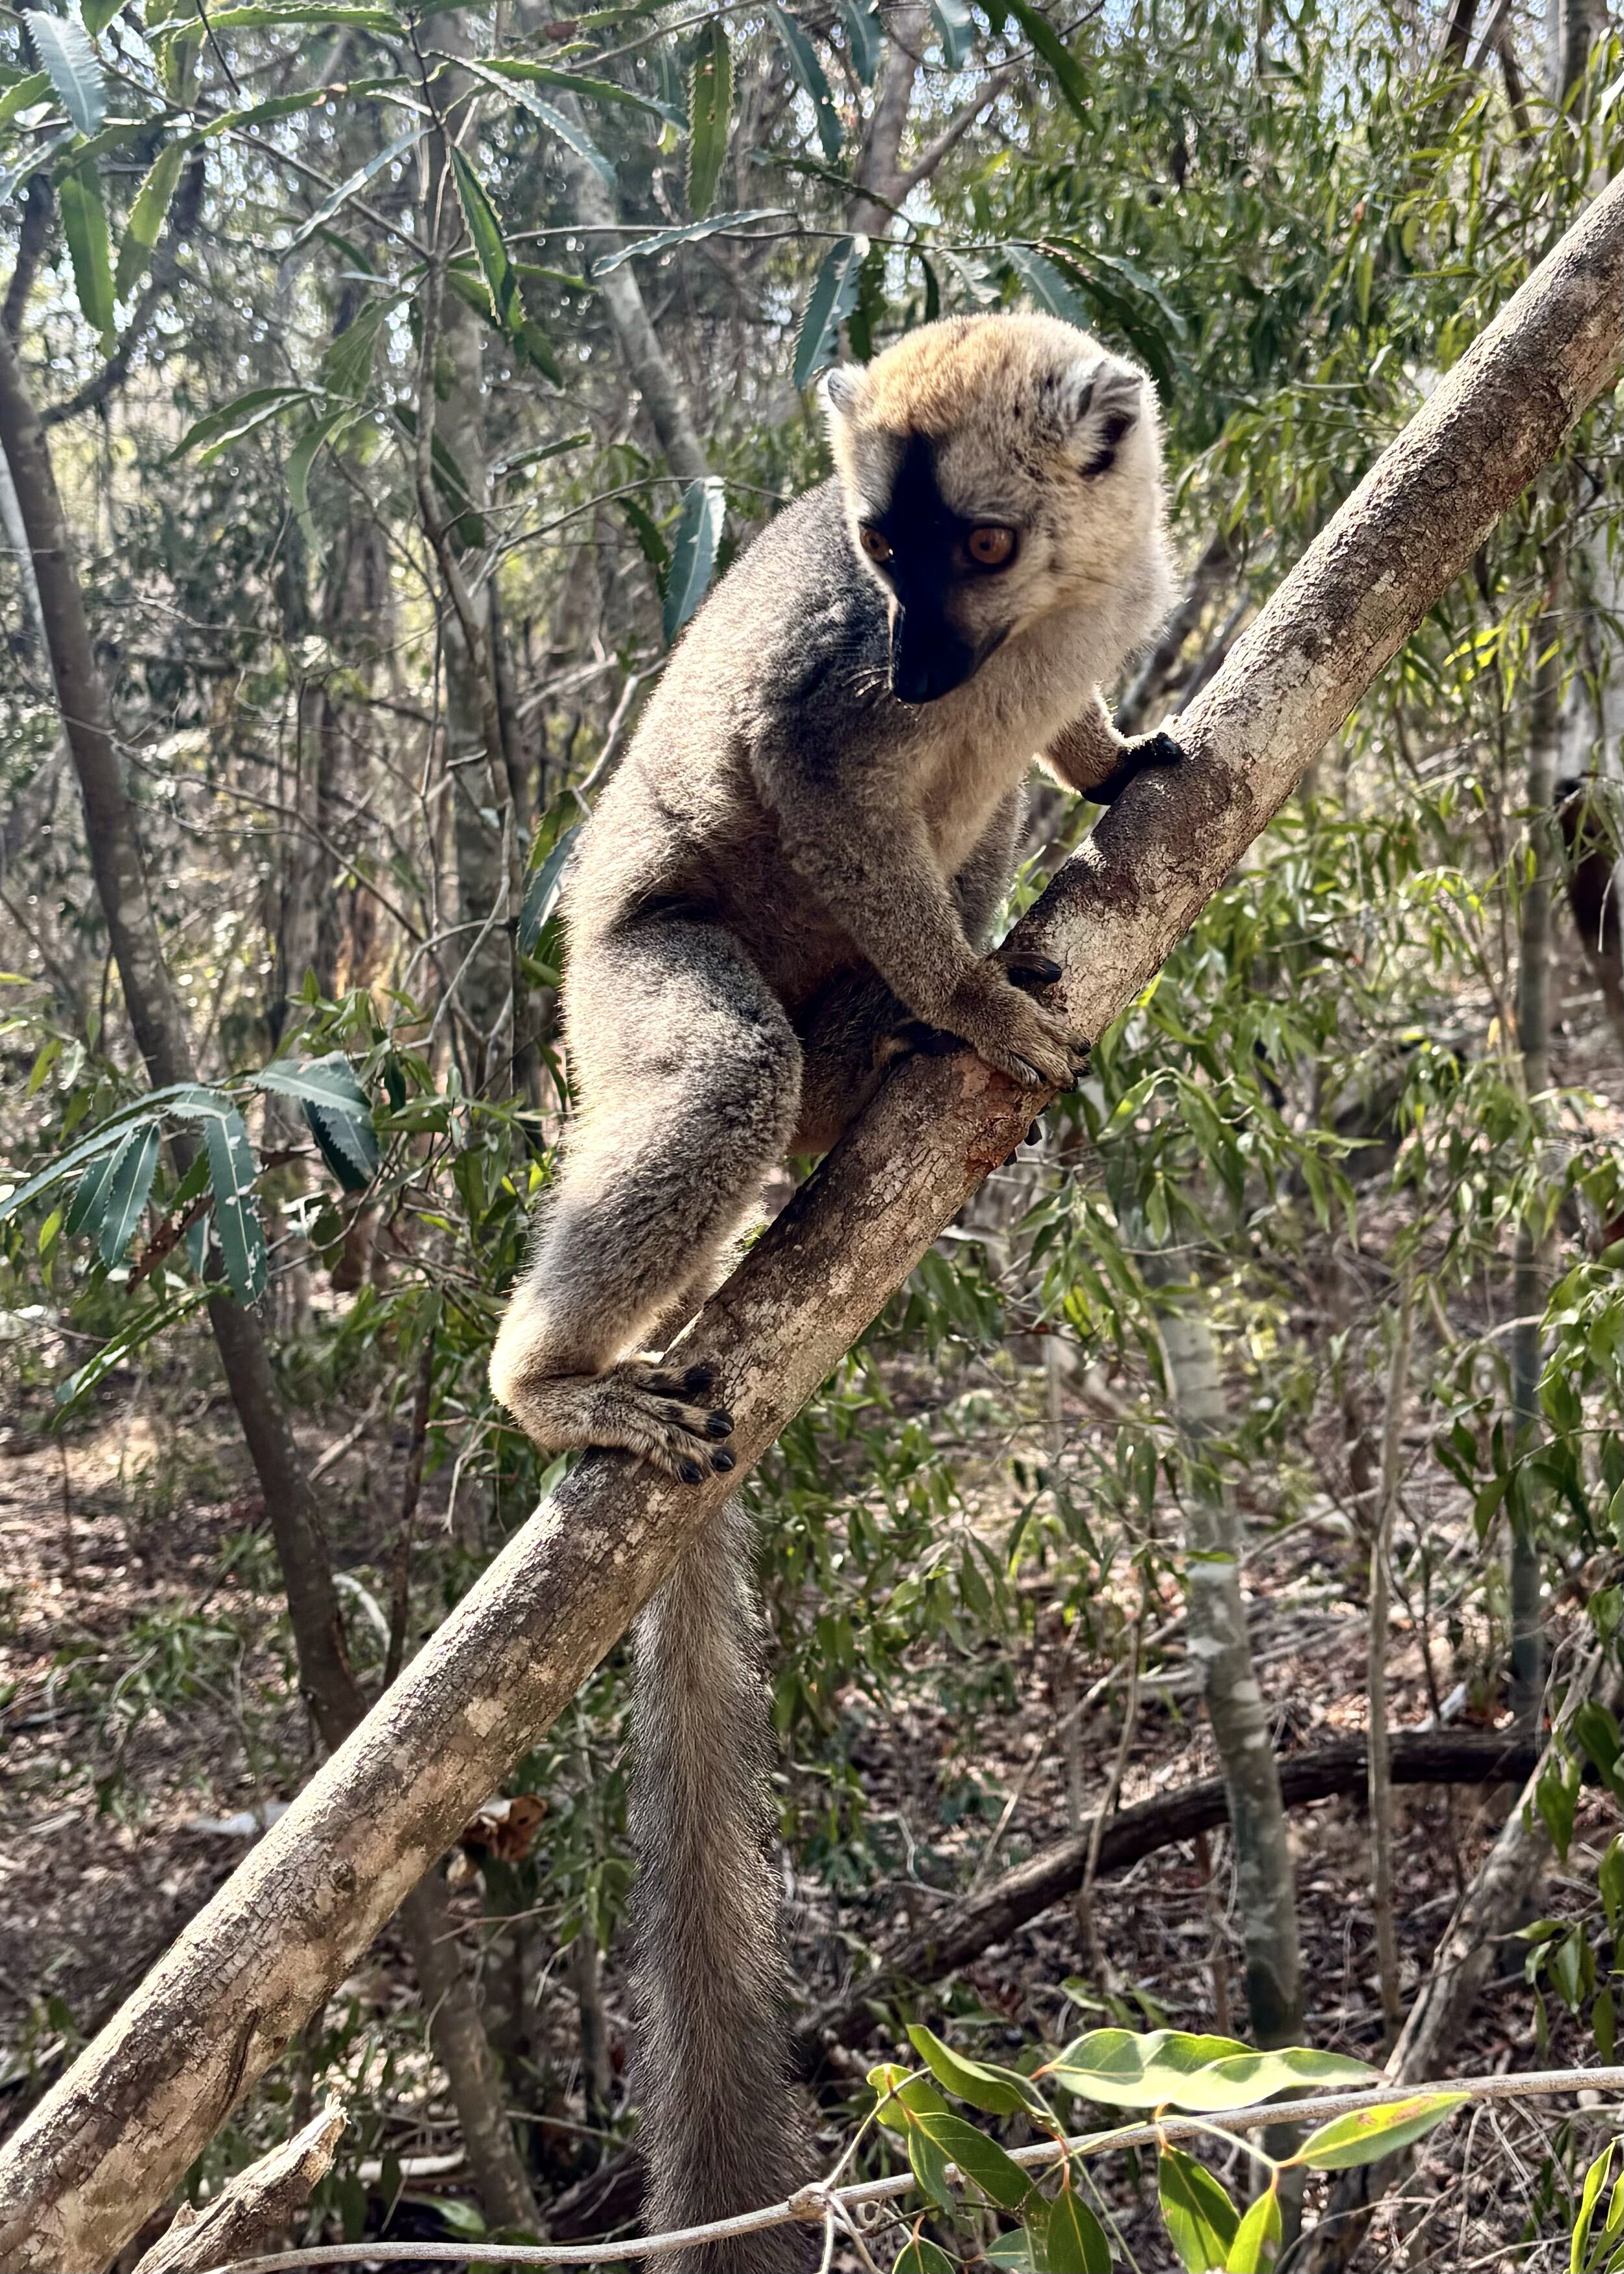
[[723, 2128]]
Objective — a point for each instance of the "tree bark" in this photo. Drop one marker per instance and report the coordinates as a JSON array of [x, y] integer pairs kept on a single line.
[[252, 2209], [116, 2133], [879, 171]]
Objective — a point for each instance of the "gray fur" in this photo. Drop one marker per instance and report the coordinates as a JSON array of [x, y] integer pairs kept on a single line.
[[790, 879]]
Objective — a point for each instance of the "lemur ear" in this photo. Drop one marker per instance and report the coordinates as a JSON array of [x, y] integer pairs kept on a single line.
[[1106, 401], [839, 387]]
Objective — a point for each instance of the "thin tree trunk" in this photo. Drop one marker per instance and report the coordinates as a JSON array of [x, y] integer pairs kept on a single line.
[[113, 2135], [879, 171], [1376, 1685], [1529, 1272], [1220, 1648], [326, 1675]]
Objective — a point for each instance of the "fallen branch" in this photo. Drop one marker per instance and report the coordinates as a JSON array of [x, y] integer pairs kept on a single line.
[[814, 2205], [253, 2205], [113, 2136]]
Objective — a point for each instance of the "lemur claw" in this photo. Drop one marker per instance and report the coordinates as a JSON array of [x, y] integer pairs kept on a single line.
[[1033, 971]]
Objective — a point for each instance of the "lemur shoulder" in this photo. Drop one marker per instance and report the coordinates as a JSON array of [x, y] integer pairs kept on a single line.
[[791, 877]]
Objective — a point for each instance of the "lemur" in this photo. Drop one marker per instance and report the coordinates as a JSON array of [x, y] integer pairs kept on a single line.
[[789, 881]]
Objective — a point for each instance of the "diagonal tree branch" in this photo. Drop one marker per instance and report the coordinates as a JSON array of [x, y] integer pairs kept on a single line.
[[114, 2134]]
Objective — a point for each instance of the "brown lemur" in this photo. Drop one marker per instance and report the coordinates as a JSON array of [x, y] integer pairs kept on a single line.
[[791, 878]]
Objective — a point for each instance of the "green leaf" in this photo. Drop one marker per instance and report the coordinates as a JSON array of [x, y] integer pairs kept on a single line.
[[237, 1214], [357, 181], [810, 74], [1594, 2180], [64, 48], [337, 1110], [96, 15], [1074, 2241], [601, 90], [1044, 283], [347, 362], [1120, 2069], [689, 233], [542, 891], [920, 2255], [957, 29], [301, 458], [152, 203], [574, 138], [1260, 2230], [1201, 2221], [450, 481], [1048, 44], [267, 15], [865, 37], [709, 113], [84, 224], [833, 296], [996, 2091], [506, 302], [217, 430], [1370, 2134], [23, 96], [275, 106], [89, 1197], [134, 1331], [978, 2158], [129, 1186], [693, 552], [1243, 2079]]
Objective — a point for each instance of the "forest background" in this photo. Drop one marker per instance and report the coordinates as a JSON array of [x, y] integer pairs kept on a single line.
[[407, 378]]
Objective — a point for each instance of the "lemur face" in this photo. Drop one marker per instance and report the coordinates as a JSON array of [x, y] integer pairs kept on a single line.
[[995, 468]]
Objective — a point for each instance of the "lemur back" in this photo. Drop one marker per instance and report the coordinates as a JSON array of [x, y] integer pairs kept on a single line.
[[790, 880]]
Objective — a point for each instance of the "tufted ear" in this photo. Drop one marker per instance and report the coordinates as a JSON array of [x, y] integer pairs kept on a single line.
[[1104, 401], [841, 389]]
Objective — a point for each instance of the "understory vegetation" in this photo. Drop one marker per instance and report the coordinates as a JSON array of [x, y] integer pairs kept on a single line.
[[1256, 1436]]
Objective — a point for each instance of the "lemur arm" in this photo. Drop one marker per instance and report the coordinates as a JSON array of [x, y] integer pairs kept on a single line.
[[1091, 758]]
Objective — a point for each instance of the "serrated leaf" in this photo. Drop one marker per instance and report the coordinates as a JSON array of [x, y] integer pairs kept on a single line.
[[1074, 2241], [347, 1144], [809, 74], [709, 115], [147, 215], [266, 15], [832, 298], [693, 552], [129, 1187], [64, 48], [1369, 2133], [347, 360], [996, 2091], [956, 27], [84, 224], [1201, 2221], [690, 233], [1044, 282], [356, 182], [1259, 2232], [217, 430], [865, 37], [237, 1214], [490, 250], [542, 891], [90, 1196], [274, 106], [1048, 44], [574, 138]]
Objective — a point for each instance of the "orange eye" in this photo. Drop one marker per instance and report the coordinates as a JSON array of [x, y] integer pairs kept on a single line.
[[874, 545], [989, 546]]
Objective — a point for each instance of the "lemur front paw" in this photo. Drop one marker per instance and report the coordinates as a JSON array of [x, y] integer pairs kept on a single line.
[[1158, 750], [1035, 1046]]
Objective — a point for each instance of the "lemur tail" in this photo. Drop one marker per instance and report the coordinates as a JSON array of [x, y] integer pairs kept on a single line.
[[723, 2129]]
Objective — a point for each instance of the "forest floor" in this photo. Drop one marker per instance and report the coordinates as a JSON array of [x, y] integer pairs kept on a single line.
[[144, 1690]]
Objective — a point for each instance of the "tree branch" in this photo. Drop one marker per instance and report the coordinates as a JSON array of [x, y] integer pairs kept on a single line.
[[114, 2135]]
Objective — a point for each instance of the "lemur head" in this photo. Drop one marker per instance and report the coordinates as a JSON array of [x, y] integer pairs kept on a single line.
[[995, 468]]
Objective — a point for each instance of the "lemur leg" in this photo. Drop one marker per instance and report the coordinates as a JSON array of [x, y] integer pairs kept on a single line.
[[689, 1078]]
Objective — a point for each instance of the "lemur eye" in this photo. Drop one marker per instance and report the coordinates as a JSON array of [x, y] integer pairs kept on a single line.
[[990, 546], [874, 545]]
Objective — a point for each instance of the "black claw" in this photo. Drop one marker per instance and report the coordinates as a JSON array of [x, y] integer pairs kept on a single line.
[[720, 1424], [1030, 971], [1160, 751], [700, 1380], [722, 1462], [690, 1472]]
